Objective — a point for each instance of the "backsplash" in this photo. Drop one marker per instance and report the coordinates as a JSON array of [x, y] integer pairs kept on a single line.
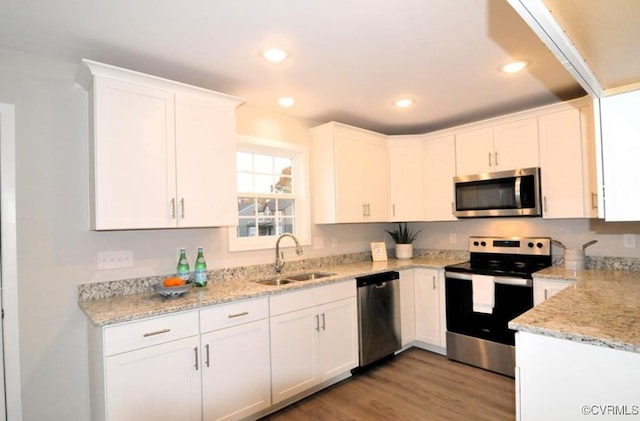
[[109, 289]]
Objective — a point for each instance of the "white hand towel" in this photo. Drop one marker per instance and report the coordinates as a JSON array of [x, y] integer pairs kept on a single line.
[[483, 293]]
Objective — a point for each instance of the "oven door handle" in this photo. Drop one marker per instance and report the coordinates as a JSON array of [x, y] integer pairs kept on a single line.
[[504, 280]]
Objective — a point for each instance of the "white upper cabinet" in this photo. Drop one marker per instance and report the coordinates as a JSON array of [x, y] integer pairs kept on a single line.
[[350, 175], [439, 168], [406, 183], [620, 152], [567, 161], [163, 153], [501, 147]]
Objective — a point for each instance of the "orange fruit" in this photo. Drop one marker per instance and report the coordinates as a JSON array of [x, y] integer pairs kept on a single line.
[[173, 282]]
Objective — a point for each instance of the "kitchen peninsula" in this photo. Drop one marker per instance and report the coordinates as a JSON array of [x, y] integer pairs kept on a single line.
[[578, 353]]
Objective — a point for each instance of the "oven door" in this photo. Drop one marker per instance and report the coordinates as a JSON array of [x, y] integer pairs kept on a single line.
[[513, 296]]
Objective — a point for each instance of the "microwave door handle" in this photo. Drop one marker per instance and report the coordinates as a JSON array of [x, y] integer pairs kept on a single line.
[[518, 191]]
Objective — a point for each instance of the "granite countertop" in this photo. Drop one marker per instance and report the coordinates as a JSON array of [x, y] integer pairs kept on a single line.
[[602, 308], [103, 312]]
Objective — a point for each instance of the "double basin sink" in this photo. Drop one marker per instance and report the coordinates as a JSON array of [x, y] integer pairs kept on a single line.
[[297, 277]]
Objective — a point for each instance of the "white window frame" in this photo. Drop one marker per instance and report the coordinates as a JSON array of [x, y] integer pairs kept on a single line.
[[299, 155]]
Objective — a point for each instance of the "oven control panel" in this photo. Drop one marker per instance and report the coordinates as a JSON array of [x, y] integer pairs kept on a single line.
[[511, 245]]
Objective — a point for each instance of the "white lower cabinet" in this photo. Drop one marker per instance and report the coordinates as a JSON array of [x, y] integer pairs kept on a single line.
[[544, 288], [314, 337], [430, 315], [407, 307], [235, 359]]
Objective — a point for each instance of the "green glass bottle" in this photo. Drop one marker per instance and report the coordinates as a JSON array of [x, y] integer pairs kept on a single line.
[[183, 266], [200, 269]]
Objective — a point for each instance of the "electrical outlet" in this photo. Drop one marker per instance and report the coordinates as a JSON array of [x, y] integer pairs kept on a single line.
[[453, 238], [115, 259], [629, 241]]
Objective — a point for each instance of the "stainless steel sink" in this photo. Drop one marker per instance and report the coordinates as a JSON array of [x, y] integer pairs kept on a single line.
[[309, 276], [274, 281], [297, 277]]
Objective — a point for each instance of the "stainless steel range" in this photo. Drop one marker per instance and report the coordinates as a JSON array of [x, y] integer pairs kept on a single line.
[[485, 293]]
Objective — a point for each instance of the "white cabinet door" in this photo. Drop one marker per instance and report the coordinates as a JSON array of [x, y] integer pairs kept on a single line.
[[567, 185], [406, 181], [544, 288], [205, 150], [429, 305], [294, 353], [439, 168], [133, 164], [620, 152], [338, 338], [474, 151], [159, 383], [350, 168], [516, 145], [236, 371], [407, 306], [506, 146]]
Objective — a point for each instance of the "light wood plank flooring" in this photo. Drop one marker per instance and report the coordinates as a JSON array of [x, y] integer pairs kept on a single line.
[[415, 385]]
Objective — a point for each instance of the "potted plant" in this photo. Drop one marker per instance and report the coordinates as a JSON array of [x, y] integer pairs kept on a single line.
[[403, 237]]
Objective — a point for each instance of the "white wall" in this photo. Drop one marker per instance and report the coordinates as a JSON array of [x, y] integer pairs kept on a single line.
[[56, 251]]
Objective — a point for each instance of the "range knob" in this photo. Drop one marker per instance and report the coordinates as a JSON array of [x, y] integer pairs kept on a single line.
[[475, 243], [483, 243], [539, 245], [531, 244]]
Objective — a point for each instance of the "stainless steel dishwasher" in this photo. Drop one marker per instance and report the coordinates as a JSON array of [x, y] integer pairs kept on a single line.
[[378, 316]]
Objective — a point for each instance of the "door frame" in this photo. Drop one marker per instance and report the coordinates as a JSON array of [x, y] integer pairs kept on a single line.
[[9, 256]]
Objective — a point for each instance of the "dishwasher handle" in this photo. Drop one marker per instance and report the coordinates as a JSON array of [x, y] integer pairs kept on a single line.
[[377, 279]]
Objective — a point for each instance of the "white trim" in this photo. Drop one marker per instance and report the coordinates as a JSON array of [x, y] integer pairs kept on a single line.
[[300, 155], [10, 262]]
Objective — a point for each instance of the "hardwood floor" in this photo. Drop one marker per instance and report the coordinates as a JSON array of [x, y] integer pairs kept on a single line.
[[416, 385]]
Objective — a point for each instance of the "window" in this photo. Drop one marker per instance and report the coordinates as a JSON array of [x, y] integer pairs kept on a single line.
[[272, 180]]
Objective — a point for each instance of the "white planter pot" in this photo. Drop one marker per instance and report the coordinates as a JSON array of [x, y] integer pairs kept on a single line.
[[404, 251]]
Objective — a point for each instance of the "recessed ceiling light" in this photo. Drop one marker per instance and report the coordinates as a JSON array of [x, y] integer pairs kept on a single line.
[[275, 55], [515, 67], [404, 102], [286, 101]]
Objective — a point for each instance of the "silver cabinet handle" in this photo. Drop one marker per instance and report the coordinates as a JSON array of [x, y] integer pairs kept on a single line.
[[206, 357], [195, 351], [244, 313], [317, 323], [453, 208], [594, 201], [157, 332], [545, 294], [394, 209], [173, 208], [324, 326], [182, 208], [496, 155], [544, 203], [364, 209], [489, 158], [433, 281]]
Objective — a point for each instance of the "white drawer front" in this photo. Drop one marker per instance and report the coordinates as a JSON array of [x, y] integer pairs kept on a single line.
[[232, 314], [139, 334], [309, 297]]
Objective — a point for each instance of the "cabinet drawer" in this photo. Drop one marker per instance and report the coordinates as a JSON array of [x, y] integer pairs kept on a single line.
[[226, 315], [309, 297], [139, 334]]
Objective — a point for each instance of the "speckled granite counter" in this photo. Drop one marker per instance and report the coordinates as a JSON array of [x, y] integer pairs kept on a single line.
[[121, 308], [602, 308]]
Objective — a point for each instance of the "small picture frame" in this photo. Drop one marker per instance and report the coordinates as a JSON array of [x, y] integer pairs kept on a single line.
[[379, 252]]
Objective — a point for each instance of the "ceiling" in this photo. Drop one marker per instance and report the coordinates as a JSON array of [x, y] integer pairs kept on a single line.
[[348, 59], [607, 35]]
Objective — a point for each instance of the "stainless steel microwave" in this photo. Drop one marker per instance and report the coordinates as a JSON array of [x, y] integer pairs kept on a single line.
[[503, 193]]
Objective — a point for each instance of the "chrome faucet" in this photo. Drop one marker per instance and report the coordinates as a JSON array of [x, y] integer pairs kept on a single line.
[[280, 255]]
